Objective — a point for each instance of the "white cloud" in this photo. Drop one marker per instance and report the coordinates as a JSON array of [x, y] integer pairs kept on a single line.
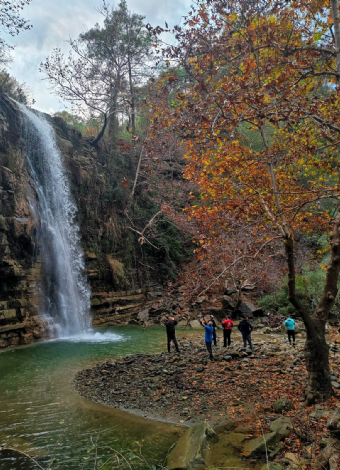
[[55, 21]]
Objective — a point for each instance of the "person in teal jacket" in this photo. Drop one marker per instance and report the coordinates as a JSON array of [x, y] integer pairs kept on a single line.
[[290, 325]]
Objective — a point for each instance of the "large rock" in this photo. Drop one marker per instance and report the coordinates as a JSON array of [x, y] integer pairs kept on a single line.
[[248, 309], [283, 405], [228, 303], [191, 449], [282, 426], [195, 324], [260, 445]]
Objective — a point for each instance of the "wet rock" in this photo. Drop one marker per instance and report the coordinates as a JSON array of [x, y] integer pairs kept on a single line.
[[191, 449]]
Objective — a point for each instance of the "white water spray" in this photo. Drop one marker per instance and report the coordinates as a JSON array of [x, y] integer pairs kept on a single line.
[[66, 291]]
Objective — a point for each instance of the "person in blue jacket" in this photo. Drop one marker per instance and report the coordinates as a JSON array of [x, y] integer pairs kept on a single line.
[[209, 331], [290, 325]]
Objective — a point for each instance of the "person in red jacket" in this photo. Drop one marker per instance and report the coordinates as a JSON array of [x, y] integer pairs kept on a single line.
[[227, 325]]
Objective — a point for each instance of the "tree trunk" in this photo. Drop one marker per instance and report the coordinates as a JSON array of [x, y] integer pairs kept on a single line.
[[101, 133], [329, 458], [336, 24], [112, 121], [319, 388], [316, 349], [132, 98]]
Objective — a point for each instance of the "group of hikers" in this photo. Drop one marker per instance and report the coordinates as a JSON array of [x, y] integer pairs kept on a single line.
[[245, 328]]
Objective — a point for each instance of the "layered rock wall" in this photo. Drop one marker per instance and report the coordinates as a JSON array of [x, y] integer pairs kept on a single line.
[[21, 271], [20, 266]]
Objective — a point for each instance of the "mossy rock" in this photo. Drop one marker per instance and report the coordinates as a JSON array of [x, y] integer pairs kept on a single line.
[[283, 405], [191, 449]]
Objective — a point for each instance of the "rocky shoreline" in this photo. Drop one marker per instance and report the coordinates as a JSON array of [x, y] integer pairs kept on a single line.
[[238, 385]]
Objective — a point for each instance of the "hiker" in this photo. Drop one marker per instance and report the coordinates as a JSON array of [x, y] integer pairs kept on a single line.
[[214, 332], [209, 331], [227, 325], [246, 328], [170, 332], [290, 325]]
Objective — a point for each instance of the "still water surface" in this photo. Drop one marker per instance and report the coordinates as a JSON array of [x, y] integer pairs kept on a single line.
[[40, 414]]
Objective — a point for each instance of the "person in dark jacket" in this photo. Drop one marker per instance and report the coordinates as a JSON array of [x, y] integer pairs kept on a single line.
[[209, 331], [246, 328], [214, 332], [171, 333]]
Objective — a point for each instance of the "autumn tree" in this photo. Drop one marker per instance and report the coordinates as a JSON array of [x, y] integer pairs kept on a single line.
[[269, 69], [104, 69]]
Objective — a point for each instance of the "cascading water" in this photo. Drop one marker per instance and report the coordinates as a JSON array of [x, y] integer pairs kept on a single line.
[[66, 291]]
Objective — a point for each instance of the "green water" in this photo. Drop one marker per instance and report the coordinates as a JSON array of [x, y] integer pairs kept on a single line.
[[40, 414]]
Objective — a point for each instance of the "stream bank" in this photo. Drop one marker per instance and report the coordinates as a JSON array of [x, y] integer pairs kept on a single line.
[[238, 386]]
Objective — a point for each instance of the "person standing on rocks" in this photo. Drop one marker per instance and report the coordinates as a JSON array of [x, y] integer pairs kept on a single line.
[[246, 328], [171, 333], [227, 325], [209, 331], [214, 332], [290, 325]]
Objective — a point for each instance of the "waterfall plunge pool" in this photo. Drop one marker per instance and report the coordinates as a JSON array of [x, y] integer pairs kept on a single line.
[[40, 413]]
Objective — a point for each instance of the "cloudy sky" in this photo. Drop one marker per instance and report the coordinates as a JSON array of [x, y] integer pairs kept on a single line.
[[55, 21]]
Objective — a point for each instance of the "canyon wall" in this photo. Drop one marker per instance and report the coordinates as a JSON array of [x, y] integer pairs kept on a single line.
[[118, 296]]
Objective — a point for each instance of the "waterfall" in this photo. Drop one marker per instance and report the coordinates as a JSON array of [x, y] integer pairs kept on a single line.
[[66, 292]]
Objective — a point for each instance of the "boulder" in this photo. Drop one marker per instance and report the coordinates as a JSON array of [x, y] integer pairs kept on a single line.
[[260, 445], [283, 405], [191, 448], [195, 324], [248, 309], [282, 427], [228, 303]]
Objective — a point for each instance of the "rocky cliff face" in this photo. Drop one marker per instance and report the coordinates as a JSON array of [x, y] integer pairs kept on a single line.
[[19, 260], [115, 297]]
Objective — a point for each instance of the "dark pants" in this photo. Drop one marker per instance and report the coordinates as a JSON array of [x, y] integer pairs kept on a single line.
[[291, 335], [208, 345], [227, 337], [245, 339], [174, 340], [214, 337]]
